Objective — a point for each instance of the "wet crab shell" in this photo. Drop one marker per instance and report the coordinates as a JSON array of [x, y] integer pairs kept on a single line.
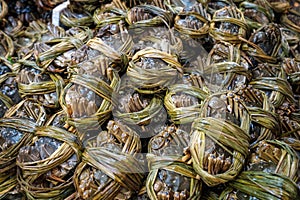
[[88, 100], [276, 157], [256, 14], [152, 71], [265, 44], [228, 24], [226, 67], [260, 185], [170, 174], [193, 21], [14, 134], [143, 113], [148, 15], [265, 124], [276, 87], [110, 168], [183, 103], [47, 164], [46, 88], [216, 158]]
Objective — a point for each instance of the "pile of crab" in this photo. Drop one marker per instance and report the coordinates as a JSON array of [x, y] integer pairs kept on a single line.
[[164, 99]]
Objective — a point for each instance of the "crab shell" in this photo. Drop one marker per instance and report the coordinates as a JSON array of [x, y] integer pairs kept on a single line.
[[171, 176], [110, 167], [223, 116]]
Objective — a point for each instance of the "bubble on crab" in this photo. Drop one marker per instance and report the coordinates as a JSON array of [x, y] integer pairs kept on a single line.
[[9, 137]]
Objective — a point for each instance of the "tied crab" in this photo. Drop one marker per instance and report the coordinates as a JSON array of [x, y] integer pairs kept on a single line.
[[228, 24], [143, 113], [148, 15], [47, 164], [260, 185], [110, 166], [183, 103], [256, 13], [193, 21], [226, 67], [264, 123], [265, 44], [167, 151], [43, 87], [152, 70], [215, 158], [276, 157]]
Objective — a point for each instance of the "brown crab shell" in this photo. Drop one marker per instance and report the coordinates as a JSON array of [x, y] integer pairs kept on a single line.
[[171, 175], [110, 167], [216, 158]]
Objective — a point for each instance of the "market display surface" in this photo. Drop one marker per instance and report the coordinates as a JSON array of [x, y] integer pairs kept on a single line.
[[158, 100]]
